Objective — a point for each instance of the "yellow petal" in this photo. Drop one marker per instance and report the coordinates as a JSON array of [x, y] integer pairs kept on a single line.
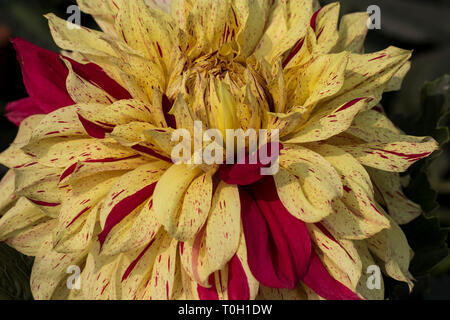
[[100, 279], [323, 78], [82, 91], [222, 231], [103, 11], [28, 241], [128, 198], [169, 193], [357, 215], [326, 28], [328, 121], [22, 215], [400, 208], [391, 246], [352, 32], [50, 268], [318, 183], [195, 208]]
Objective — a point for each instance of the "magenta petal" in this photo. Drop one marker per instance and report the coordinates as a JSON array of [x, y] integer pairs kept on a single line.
[[44, 76], [208, 293], [321, 282], [93, 129], [238, 288], [278, 244], [19, 110], [240, 174], [244, 174]]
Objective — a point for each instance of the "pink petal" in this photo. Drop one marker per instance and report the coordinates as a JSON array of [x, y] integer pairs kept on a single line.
[[208, 293], [321, 282], [19, 110], [238, 288], [44, 75], [245, 174], [278, 244]]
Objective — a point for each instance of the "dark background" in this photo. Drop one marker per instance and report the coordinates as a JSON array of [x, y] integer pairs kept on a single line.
[[419, 25]]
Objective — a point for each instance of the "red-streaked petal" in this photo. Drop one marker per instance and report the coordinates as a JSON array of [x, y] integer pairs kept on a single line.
[[93, 129], [123, 209], [321, 282], [278, 244], [135, 262], [95, 75], [313, 22]]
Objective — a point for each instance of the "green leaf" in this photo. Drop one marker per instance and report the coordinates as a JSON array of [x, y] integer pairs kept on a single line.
[[425, 235], [15, 270]]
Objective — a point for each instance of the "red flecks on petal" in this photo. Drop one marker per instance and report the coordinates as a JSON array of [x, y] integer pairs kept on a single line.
[[321, 282], [122, 209], [313, 22], [413, 157], [181, 248], [95, 75], [150, 152], [293, 53], [44, 204], [278, 244], [68, 172], [78, 216], [108, 160], [238, 288], [94, 130], [379, 57], [331, 237], [135, 262], [350, 104], [208, 293]]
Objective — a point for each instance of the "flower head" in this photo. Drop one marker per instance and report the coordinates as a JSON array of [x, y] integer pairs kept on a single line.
[[92, 182]]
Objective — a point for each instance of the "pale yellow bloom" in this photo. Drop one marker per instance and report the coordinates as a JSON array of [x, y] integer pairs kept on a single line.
[[140, 227]]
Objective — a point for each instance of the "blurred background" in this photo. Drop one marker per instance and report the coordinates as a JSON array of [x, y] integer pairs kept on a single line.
[[420, 108]]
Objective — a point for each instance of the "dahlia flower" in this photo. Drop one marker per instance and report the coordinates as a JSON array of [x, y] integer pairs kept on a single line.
[[92, 183]]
